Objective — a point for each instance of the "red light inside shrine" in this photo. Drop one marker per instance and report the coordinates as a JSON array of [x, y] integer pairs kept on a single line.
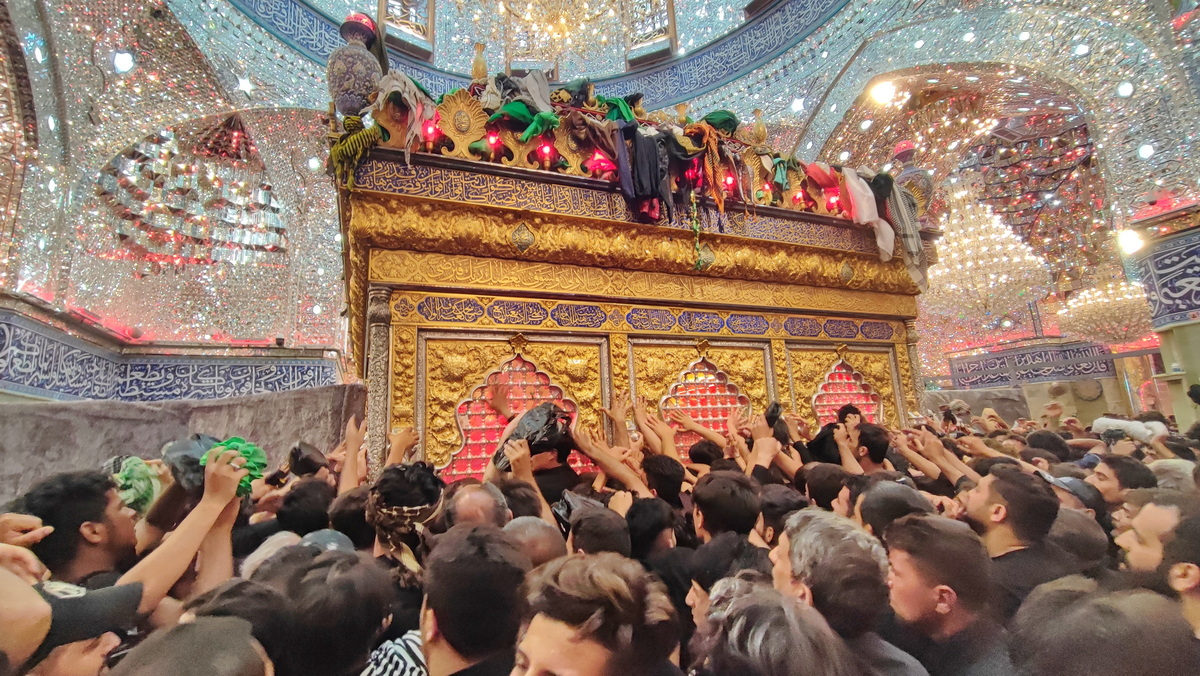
[[493, 139], [729, 181], [431, 129], [546, 149]]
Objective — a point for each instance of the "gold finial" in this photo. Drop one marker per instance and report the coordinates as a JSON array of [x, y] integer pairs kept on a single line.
[[518, 343], [702, 346], [681, 111], [479, 72], [841, 350]]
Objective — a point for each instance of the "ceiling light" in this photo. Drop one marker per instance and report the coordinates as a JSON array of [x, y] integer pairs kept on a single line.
[[969, 37], [866, 124], [884, 92], [1130, 241], [314, 163], [1125, 90], [972, 78], [797, 105], [316, 309], [244, 84], [38, 55], [918, 44], [844, 156], [122, 61], [1024, 35], [1082, 50], [1146, 151]]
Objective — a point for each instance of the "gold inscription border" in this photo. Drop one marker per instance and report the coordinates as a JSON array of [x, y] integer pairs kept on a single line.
[[434, 270], [463, 311]]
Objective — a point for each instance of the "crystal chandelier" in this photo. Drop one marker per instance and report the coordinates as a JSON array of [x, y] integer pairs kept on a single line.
[[545, 33], [1114, 313], [984, 267], [189, 197]]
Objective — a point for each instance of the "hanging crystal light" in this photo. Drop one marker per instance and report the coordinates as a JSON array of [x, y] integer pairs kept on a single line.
[[984, 268], [1109, 313]]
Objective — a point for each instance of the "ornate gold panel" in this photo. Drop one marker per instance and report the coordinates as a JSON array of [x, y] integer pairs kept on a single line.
[[783, 383], [452, 368], [876, 368], [808, 368], [618, 349], [657, 366], [455, 366], [404, 376], [434, 269]]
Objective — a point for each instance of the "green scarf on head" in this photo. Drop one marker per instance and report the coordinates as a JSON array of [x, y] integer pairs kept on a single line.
[[256, 460], [723, 121], [137, 484]]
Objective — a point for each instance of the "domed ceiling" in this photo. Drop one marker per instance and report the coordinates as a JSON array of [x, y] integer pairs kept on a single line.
[[102, 95]]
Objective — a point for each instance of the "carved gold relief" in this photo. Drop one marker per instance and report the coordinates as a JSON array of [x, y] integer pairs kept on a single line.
[[576, 369], [808, 370], [618, 351], [404, 376], [402, 223], [463, 122], [433, 269], [657, 366], [876, 369], [908, 384], [452, 368], [783, 385], [520, 150], [569, 149]]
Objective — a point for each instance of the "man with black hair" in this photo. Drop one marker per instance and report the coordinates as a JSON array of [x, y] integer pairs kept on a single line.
[[1181, 568], [651, 524], [348, 516], [824, 446], [822, 483], [704, 452], [862, 450], [940, 586], [596, 530], [94, 532], [305, 508], [778, 502], [664, 476], [1046, 440], [1144, 542], [473, 602], [723, 502], [553, 475], [1116, 475], [1013, 512]]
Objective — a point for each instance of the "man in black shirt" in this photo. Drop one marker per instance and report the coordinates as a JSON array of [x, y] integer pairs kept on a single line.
[[472, 609], [1013, 512], [940, 585]]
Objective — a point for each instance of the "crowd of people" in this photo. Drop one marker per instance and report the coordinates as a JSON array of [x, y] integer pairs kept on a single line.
[[966, 545]]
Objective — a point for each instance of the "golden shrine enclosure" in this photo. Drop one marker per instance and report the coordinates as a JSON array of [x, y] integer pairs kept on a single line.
[[461, 275]]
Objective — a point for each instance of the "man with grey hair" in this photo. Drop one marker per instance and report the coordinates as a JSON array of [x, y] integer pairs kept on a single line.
[[540, 541], [478, 504], [829, 562]]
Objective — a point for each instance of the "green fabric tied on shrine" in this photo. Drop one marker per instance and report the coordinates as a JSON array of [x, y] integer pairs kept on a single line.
[[618, 108], [256, 460], [519, 111], [722, 120], [137, 484], [781, 169]]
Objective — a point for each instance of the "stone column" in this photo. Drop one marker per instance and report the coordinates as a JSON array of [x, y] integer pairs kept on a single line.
[[911, 338], [379, 334]]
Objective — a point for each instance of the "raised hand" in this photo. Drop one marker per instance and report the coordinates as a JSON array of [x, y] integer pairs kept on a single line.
[[22, 530], [22, 563], [683, 420], [620, 502], [403, 441], [619, 411], [759, 429], [222, 473], [765, 450], [497, 396], [356, 433], [660, 427], [517, 452]]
